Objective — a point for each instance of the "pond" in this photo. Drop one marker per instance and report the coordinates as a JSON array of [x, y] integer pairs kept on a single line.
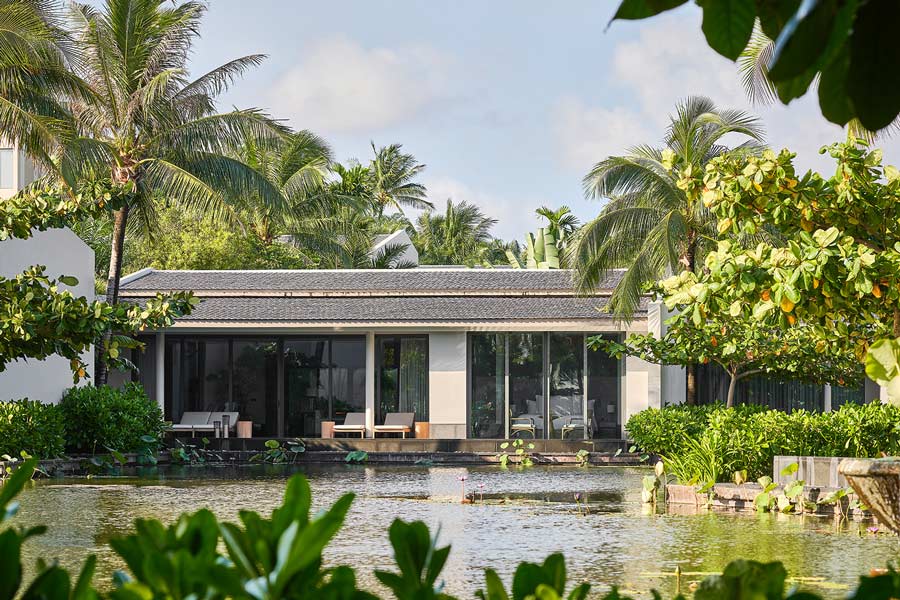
[[620, 542]]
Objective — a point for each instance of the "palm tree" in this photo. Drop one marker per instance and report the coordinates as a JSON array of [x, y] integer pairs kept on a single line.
[[459, 236], [561, 224], [651, 226], [753, 66], [392, 174], [152, 130], [298, 164], [36, 58]]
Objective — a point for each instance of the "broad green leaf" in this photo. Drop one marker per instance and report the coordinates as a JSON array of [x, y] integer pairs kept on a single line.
[[728, 24], [641, 9]]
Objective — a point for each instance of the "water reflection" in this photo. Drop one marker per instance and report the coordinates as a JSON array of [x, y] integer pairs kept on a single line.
[[525, 516]]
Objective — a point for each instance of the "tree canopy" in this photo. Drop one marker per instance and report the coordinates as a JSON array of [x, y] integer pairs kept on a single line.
[[837, 274]]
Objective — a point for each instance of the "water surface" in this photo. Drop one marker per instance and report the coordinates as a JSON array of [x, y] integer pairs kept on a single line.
[[526, 515]]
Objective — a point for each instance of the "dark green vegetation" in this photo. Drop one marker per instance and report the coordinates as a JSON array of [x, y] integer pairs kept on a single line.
[[847, 46], [32, 427], [103, 417], [88, 420], [719, 441], [282, 557]]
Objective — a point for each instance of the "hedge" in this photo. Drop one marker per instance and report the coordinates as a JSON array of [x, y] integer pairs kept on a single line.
[[31, 427], [748, 436], [97, 418]]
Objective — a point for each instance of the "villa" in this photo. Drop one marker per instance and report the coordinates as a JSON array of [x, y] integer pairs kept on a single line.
[[474, 353]]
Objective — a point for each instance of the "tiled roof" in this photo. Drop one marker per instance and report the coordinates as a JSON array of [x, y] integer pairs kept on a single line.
[[396, 309], [394, 281]]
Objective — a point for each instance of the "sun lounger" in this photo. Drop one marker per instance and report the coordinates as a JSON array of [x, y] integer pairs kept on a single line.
[[200, 421], [396, 423], [353, 423]]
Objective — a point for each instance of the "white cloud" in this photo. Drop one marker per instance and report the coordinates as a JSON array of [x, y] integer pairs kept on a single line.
[[340, 86], [668, 61], [589, 133], [514, 218]]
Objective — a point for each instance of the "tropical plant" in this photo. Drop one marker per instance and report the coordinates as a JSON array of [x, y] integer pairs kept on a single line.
[[740, 344], [541, 252], [151, 130], [753, 65], [277, 452], [298, 165], [748, 437], [652, 225], [845, 45], [31, 427], [561, 223], [105, 417], [392, 174], [516, 449], [834, 275], [38, 319], [459, 236]]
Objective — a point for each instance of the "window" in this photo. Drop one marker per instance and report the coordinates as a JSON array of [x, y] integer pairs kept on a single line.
[[541, 385], [401, 376], [6, 168]]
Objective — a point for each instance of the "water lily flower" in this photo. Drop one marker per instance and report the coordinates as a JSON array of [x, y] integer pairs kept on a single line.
[[872, 529]]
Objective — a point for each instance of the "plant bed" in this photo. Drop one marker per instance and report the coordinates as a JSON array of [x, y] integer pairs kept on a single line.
[[730, 496]]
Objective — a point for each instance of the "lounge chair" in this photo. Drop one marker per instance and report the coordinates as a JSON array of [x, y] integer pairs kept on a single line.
[[575, 424], [396, 423], [199, 421], [353, 423], [519, 425]]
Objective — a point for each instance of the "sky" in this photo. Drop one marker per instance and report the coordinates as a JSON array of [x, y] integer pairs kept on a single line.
[[509, 103]]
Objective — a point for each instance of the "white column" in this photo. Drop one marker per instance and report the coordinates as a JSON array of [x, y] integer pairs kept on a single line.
[[826, 402], [161, 371], [370, 383]]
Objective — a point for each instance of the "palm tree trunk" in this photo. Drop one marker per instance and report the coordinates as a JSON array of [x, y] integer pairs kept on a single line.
[[120, 219]]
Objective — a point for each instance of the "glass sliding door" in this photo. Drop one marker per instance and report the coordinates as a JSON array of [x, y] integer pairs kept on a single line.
[[566, 374], [487, 396], [603, 393], [201, 376], [401, 376], [306, 386], [255, 379], [527, 402], [348, 377]]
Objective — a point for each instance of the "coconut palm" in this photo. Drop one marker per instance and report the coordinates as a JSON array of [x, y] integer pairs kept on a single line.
[[650, 226], [36, 59], [298, 165], [151, 129], [753, 66], [393, 185], [459, 236]]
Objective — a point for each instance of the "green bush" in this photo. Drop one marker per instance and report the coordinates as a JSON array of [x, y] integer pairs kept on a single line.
[[97, 418], [748, 437], [32, 427]]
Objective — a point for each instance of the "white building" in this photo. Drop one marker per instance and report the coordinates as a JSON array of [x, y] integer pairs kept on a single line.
[[63, 253]]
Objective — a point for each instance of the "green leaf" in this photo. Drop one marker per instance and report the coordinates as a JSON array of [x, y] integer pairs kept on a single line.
[[875, 53], [13, 486], [803, 39], [883, 366], [790, 469], [68, 280], [641, 9], [728, 24]]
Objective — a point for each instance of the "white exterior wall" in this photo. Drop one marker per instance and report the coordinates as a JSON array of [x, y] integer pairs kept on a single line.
[[23, 172], [642, 385], [673, 379], [447, 384], [63, 253]]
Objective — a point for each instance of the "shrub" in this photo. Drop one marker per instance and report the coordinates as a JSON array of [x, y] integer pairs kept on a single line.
[[748, 437], [97, 418], [33, 427]]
